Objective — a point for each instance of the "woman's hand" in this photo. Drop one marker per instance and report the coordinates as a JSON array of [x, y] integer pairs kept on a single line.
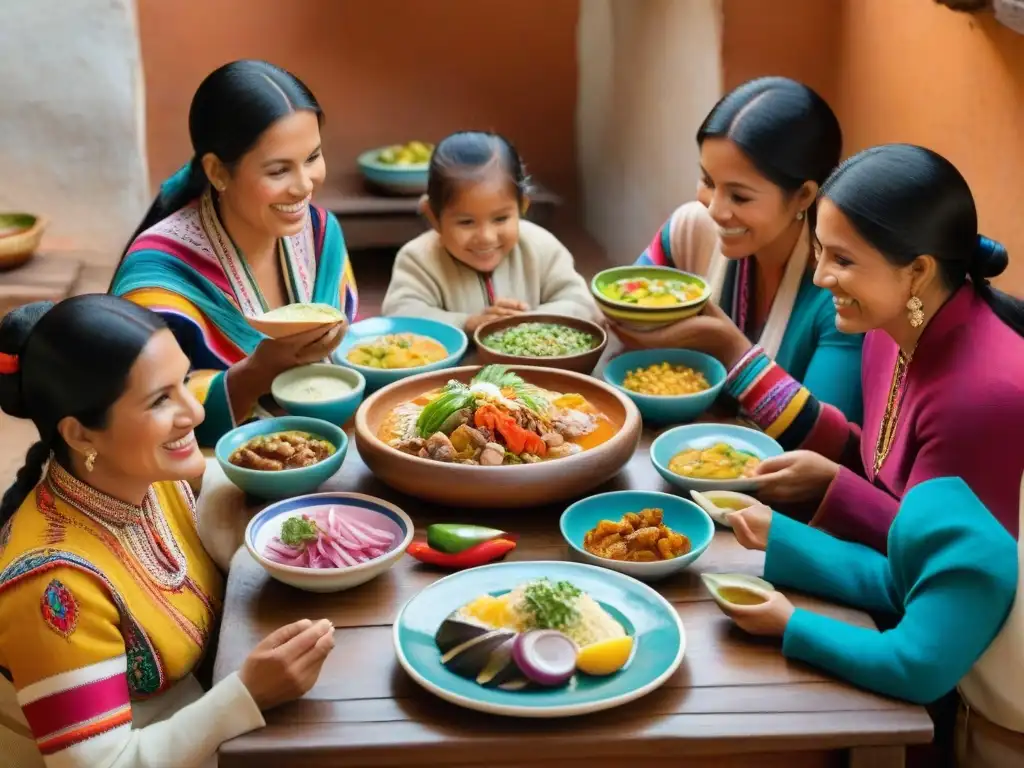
[[500, 308], [796, 476], [751, 526], [769, 619], [286, 664], [712, 332], [274, 356]]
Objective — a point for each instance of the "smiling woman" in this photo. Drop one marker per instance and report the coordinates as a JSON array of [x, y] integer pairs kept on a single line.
[[107, 595], [234, 235], [765, 148]]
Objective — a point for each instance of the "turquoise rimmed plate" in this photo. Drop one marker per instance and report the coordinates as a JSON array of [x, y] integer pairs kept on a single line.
[[658, 646]]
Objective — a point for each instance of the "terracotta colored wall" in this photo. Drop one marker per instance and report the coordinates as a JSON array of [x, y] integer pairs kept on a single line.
[[913, 71], [790, 38], [384, 70], [903, 70]]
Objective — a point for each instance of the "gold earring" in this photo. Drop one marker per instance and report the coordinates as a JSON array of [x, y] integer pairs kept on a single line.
[[915, 308], [90, 461]]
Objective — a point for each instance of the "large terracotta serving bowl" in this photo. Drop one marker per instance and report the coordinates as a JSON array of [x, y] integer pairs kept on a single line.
[[523, 485]]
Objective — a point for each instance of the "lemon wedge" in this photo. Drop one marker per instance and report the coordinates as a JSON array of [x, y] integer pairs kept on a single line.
[[605, 657]]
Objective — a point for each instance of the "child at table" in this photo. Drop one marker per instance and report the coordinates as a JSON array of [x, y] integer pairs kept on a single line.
[[481, 260]]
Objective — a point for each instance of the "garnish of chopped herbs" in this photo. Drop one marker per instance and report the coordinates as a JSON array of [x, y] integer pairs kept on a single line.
[[553, 605], [298, 530]]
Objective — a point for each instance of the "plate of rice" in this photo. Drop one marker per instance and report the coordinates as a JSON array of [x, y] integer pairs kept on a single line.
[[497, 605]]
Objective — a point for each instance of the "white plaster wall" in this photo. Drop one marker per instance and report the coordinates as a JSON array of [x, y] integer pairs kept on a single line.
[[649, 72], [71, 120]]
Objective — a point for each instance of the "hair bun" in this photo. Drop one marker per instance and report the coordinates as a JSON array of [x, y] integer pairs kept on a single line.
[[15, 329], [990, 258]]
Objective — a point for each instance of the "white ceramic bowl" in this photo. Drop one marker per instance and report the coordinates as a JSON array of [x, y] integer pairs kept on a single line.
[[368, 509]]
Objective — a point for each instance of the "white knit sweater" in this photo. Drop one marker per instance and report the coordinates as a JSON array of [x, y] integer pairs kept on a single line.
[[427, 282]]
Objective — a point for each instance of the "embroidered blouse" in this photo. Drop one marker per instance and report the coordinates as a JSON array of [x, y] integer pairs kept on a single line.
[[105, 610]]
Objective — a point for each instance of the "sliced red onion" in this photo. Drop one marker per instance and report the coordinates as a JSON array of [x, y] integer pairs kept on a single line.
[[545, 656]]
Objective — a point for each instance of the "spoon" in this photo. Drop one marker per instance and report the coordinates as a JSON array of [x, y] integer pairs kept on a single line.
[[717, 513]]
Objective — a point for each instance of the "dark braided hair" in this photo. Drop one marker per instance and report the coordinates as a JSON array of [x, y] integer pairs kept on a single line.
[[73, 361], [464, 155]]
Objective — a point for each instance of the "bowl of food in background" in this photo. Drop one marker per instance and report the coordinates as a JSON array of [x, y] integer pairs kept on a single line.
[[328, 542], [552, 341], [709, 457], [20, 235], [645, 534], [398, 168], [669, 386], [293, 319], [497, 436], [320, 391], [645, 298], [281, 457], [387, 349]]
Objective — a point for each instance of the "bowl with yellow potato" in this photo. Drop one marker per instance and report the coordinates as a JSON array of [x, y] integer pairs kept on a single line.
[[644, 298], [669, 386], [398, 168]]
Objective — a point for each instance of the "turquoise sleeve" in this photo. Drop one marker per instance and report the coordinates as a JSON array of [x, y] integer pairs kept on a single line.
[[811, 560], [219, 419], [949, 623], [833, 373]]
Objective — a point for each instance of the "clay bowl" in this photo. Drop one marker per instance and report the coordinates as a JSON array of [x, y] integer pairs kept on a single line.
[[524, 485], [581, 362]]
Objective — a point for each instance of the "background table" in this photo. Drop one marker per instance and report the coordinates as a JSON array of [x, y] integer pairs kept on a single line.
[[735, 701]]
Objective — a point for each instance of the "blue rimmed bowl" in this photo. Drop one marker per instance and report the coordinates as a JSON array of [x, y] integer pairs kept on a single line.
[[659, 640], [453, 339], [354, 506], [287, 482], [337, 410], [681, 515], [406, 179], [668, 409], [705, 435]]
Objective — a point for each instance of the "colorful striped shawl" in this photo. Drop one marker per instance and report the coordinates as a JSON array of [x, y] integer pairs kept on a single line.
[[186, 268]]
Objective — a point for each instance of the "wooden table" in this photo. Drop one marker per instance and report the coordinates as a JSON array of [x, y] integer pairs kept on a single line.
[[377, 220], [735, 701]]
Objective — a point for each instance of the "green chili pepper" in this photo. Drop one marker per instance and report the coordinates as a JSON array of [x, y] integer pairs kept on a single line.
[[456, 537]]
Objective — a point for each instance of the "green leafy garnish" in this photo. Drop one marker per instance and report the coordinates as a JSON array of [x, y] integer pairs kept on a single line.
[[553, 606], [297, 530], [455, 396]]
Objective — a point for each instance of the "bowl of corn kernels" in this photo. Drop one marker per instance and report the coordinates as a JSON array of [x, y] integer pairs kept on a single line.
[[669, 386]]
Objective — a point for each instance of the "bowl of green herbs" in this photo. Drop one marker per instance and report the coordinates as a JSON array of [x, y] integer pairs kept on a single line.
[[551, 341]]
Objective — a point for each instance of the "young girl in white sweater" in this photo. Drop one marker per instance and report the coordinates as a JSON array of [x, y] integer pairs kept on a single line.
[[481, 261]]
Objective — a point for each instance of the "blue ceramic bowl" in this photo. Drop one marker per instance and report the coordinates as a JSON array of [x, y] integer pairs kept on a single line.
[[351, 506], [401, 179], [453, 339], [674, 440], [668, 409], [337, 410], [681, 515], [287, 482]]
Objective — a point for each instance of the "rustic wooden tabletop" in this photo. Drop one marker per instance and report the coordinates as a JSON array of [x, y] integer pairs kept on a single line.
[[735, 701]]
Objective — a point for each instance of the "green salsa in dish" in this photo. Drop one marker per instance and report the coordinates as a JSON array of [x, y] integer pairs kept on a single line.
[[540, 340]]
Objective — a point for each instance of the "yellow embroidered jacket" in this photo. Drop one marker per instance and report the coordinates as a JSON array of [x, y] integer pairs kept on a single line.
[[104, 605]]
